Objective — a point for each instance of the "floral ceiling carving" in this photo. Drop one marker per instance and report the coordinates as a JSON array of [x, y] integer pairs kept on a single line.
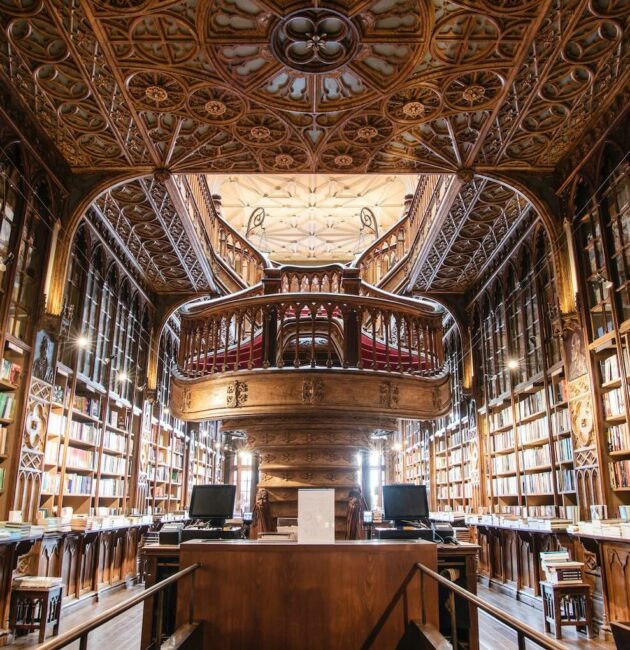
[[339, 86], [254, 85]]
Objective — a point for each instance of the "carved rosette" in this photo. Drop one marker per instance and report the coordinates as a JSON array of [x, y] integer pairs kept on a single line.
[[236, 394]]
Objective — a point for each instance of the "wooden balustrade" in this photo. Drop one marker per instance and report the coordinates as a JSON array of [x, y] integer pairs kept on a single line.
[[230, 247], [322, 330], [388, 252]]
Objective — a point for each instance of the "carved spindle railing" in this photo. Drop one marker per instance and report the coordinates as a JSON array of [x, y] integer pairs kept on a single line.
[[234, 251], [381, 264], [322, 330]]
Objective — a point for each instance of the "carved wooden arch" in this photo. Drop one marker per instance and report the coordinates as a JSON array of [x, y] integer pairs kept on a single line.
[[92, 187]]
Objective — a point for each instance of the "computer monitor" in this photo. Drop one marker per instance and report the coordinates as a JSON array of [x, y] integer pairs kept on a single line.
[[213, 502], [405, 502]]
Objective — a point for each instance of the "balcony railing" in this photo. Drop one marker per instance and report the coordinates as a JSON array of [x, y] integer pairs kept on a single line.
[[317, 330], [384, 260], [245, 263]]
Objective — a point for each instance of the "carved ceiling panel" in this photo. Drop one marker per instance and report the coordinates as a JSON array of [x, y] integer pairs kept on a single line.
[[140, 217], [479, 221], [335, 86], [289, 85]]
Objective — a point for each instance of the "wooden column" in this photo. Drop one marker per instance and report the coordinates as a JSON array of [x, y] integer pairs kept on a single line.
[[306, 452]]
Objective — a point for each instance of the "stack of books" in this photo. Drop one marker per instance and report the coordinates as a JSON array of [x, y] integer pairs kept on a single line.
[[559, 569], [36, 582]]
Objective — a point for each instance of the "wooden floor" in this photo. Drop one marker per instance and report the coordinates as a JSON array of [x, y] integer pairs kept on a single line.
[[493, 635], [121, 633]]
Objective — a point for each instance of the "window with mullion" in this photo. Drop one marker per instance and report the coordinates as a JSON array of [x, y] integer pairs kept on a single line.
[[10, 204], [515, 330], [500, 341], [26, 285], [594, 266], [104, 332], [617, 205], [93, 291], [533, 344], [549, 302]]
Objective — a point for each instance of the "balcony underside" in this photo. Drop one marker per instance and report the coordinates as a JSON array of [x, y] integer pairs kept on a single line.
[[326, 391]]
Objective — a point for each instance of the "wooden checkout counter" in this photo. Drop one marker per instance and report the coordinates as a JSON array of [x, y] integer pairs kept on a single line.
[[306, 596]]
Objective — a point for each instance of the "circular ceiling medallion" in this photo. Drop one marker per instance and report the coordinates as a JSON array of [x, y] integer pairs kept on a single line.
[[414, 110], [156, 94], [215, 107], [314, 40], [343, 160], [260, 133], [284, 160], [367, 133]]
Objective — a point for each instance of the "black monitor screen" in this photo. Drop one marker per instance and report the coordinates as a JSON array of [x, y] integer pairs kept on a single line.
[[405, 501], [212, 502]]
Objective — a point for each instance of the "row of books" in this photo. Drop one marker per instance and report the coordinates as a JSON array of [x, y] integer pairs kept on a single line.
[[10, 372], [558, 391], [501, 418], [613, 403], [114, 441], [531, 404], [535, 456], [504, 440], [7, 406], [618, 437], [620, 473], [609, 368], [563, 449], [113, 464], [111, 487], [56, 424], [81, 484], [503, 464], [539, 483], [533, 430], [561, 421], [84, 432], [80, 458], [87, 405], [566, 480], [504, 486]]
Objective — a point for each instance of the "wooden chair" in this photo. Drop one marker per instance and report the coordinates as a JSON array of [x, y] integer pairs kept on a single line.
[[567, 604], [35, 608]]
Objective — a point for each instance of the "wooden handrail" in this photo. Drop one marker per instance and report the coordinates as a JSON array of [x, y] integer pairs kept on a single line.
[[81, 631], [325, 330], [522, 629]]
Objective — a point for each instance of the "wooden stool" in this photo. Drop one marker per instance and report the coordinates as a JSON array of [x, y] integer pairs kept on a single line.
[[567, 604], [34, 608]]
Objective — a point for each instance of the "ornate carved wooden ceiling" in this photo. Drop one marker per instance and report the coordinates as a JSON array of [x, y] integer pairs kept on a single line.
[[388, 86], [480, 219], [144, 225], [254, 85]]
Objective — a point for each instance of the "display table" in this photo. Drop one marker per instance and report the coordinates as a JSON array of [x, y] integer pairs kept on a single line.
[[285, 596]]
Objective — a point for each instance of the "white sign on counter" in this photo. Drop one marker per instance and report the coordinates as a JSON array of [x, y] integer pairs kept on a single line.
[[316, 516]]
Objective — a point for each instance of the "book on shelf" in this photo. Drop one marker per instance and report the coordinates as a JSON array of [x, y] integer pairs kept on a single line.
[[613, 403], [10, 372], [3, 439], [618, 437], [619, 473], [7, 406], [609, 368], [564, 572]]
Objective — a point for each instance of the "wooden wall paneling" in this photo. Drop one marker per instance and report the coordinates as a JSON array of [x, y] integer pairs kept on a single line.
[[50, 556], [103, 564], [89, 563], [526, 562], [71, 565], [118, 555], [589, 552]]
